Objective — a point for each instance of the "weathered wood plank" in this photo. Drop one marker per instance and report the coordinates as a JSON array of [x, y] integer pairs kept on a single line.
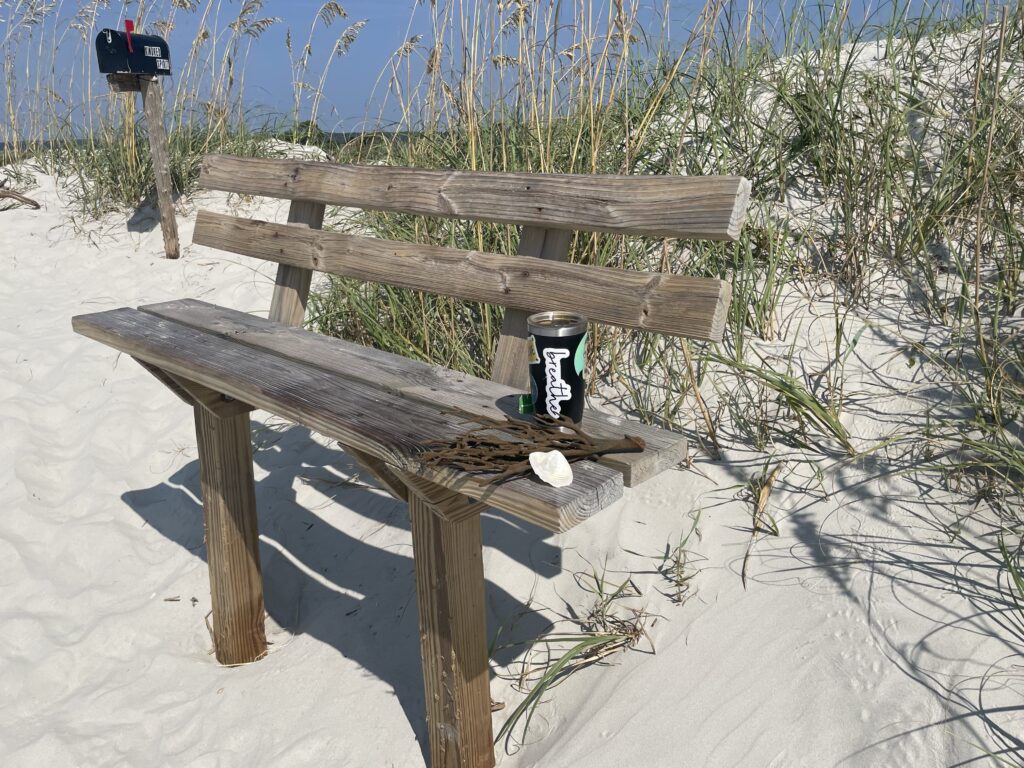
[[512, 358], [153, 104], [213, 401], [704, 207], [232, 538], [388, 426], [449, 504], [665, 303], [594, 487], [419, 381], [453, 636]]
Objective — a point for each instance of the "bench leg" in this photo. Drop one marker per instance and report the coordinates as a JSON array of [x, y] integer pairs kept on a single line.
[[453, 636], [232, 539]]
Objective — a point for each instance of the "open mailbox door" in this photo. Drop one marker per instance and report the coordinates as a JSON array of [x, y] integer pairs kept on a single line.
[[126, 53]]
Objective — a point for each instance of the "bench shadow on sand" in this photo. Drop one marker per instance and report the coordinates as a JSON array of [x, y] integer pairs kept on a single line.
[[362, 600]]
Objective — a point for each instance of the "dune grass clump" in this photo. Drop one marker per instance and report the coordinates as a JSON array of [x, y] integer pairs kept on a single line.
[[837, 126], [606, 628]]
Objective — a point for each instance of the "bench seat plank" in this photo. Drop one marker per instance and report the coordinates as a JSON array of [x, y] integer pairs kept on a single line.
[[420, 381], [384, 424]]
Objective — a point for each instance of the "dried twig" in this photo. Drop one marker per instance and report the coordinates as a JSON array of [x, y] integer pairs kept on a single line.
[[17, 196], [763, 522], [504, 447]]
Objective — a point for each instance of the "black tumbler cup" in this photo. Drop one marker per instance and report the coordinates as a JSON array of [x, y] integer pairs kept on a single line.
[[557, 349]]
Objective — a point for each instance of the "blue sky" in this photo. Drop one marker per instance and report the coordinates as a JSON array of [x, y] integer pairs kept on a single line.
[[352, 77], [349, 96], [353, 92], [268, 71]]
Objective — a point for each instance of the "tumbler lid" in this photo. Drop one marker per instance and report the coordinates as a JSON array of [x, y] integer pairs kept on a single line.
[[556, 323]]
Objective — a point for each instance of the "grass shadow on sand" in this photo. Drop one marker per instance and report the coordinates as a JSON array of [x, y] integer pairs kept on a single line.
[[322, 581], [878, 548]]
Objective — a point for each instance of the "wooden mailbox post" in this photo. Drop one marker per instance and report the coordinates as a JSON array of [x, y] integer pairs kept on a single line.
[[134, 63]]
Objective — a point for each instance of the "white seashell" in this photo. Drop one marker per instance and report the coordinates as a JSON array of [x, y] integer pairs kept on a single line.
[[551, 467]]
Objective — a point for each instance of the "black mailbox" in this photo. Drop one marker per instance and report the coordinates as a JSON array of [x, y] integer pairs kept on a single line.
[[126, 53]]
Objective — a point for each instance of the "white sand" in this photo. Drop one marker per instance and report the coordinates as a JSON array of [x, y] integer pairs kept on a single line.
[[858, 641]]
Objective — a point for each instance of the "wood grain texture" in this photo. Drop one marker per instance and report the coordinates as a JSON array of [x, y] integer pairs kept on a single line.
[[420, 381], [232, 538], [449, 504], [512, 358], [383, 474], [453, 636], [704, 207], [291, 290], [594, 487], [388, 426], [673, 304], [153, 104], [193, 394]]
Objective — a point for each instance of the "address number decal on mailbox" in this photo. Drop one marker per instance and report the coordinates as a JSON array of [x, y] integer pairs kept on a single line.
[[128, 53]]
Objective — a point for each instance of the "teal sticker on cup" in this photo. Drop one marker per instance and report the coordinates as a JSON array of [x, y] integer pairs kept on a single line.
[[581, 353]]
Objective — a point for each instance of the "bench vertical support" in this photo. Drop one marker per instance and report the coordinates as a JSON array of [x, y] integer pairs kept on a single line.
[[232, 539], [512, 358], [292, 288], [453, 636]]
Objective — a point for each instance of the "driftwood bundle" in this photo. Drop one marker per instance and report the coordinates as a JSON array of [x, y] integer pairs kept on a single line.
[[499, 450]]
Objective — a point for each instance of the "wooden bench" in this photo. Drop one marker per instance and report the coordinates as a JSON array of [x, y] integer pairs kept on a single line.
[[385, 408]]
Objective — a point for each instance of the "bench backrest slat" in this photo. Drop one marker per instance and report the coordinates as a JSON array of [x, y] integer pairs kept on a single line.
[[672, 304], [703, 207]]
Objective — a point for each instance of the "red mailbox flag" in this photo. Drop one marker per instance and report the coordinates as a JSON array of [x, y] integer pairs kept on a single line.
[[129, 27]]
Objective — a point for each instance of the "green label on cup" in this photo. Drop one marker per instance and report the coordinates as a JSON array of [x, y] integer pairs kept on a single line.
[[581, 354]]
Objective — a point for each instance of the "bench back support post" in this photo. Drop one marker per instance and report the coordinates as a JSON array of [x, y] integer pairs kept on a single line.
[[511, 358], [291, 290], [232, 538]]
